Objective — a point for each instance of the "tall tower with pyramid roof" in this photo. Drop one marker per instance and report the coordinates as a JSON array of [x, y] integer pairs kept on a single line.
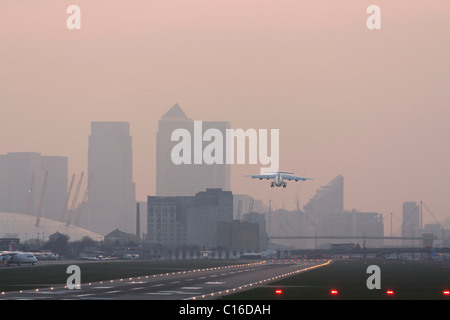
[[186, 179], [174, 113]]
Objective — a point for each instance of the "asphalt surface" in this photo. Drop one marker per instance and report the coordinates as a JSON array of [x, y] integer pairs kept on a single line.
[[198, 284]]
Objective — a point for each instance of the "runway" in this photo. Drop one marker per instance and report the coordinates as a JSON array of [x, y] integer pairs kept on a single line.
[[194, 284]]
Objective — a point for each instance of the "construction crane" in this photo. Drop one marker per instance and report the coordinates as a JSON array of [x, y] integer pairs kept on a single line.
[[41, 201], [66, 204], [74, 200], [83, 201]]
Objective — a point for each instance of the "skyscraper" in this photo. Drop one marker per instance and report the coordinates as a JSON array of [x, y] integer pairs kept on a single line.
[[329, 199], [22, 177], [325, 211], [411, 222], [111, 195], [186, 179], [178, 221]]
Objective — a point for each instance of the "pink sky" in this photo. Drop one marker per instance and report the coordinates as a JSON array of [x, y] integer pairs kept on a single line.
[[373, 106]]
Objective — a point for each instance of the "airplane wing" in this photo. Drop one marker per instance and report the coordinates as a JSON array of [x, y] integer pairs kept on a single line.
[[8, 254], [262, 176], [295, 178], [88, 258]]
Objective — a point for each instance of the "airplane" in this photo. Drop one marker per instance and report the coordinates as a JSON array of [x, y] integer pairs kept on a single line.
[[45, 255], [97, 258], [269, 253], [17, 257], [279, 178]]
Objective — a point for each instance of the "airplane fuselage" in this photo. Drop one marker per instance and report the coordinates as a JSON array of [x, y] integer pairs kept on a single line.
[[278, 181], [19, 258]]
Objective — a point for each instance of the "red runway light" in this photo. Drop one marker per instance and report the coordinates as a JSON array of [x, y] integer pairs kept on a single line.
[[278, 291], [334, 292], [446, 292], [390, 292]]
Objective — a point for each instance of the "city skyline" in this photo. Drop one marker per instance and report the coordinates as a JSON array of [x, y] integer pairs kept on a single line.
[[109, 133], [370, 106]]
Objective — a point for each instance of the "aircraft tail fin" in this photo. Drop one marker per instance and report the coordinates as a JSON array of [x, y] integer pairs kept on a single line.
[[12, 246]]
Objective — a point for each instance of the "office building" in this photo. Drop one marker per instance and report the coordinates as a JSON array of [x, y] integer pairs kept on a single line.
[[238, 235], [368, 224], [111, 197], [329, 199], [324, 209], [166, 220], [210, 207], [186, 179], [325, 216], [33, 184], [193, 221], [260, 220], [411, 223]]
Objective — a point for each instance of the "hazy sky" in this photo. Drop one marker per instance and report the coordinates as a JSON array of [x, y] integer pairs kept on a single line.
[[372, 105]]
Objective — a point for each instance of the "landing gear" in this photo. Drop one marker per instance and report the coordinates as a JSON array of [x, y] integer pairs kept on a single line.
[[284, 185], [272, 184]]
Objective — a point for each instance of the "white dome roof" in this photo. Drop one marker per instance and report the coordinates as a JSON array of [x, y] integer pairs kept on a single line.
[[24, 226]]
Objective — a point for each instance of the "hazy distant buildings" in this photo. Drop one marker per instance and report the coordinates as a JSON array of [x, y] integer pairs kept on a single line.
[[324, 209], [111, 197], [260, 220], [203, 221], [329, 199], [238, 235], [166, 220], [325, 216], [411, 223], [186, 179], [210, 208], [440, 232], [22, 177], [243, 203], [368, 224]]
